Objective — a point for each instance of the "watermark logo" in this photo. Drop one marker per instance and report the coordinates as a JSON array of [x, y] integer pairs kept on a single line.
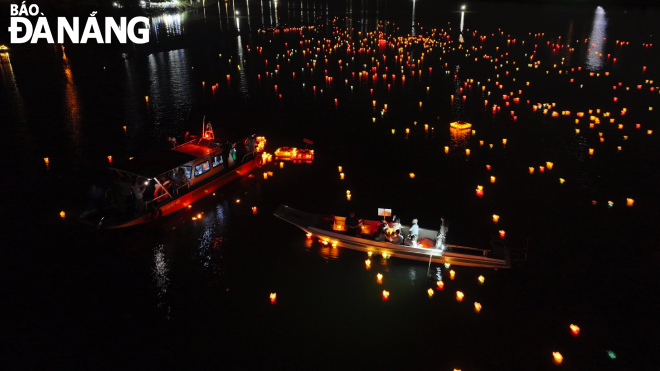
[[22, 30]]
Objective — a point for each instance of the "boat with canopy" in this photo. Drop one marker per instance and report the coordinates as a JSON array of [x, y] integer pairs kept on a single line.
[[207, 163], [431, 246]]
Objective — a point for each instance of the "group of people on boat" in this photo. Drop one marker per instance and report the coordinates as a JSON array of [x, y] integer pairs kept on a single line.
[[384, 231]]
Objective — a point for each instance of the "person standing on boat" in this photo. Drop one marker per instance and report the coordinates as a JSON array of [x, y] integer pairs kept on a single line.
[[396, 224], [353, 225], [138, 192], [413, 233]]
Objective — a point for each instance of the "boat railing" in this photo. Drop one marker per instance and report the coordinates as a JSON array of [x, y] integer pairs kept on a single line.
[[247, 154]]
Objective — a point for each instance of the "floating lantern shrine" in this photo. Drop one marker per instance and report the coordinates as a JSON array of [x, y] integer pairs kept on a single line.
[[460, 125], [459, 296]]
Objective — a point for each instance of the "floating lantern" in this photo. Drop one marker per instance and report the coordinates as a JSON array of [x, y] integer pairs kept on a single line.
[[481, 142], [430, 292], [477, 307], [504, 141], [273, 297], [309, 235], [459, 296], [488, 167], [407, 130], [47, 161], [561, 180], [412, 175], [492, 179], [266, 175], [467, 151], [649, 132], [531, 170], [426, 127], [446, 149], [496, 218], [541, 169], [254, 209], [238, 200], [441, 285], [110, 159], [392, 131], [62, 214], [630, 202], [575, 330], [348, 197], [341, 175], [379, 278], [369, 253], [502, 233], [386, 295], [367, 263], [481, 279], [591, 151], [340, 168], [452, 274], [557, 357], [610, 203], [146, 98]]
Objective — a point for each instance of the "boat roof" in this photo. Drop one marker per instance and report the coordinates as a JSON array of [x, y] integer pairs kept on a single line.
[[198, 150], [151, 165]]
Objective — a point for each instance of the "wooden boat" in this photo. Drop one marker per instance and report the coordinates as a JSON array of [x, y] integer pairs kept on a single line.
[[335, 234], [202, 161]]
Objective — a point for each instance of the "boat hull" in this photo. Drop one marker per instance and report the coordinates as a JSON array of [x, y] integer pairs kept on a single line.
[[189, 198], [306, 222]]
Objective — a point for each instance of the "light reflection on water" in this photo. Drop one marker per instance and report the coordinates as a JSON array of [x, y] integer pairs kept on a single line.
[[72, 104], [209, 251], [597, 41], [242, 76], [328, 252], [160, 277], [170, 24]]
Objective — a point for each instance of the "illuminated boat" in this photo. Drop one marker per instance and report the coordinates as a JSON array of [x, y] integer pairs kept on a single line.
[[460, 125], [3, 48], [430, 246], [202, 161]]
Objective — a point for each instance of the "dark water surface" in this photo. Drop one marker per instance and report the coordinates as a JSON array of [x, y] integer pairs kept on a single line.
[[182, 293]]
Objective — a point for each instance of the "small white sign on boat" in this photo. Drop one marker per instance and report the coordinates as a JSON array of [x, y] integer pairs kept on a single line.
[[384, 212]]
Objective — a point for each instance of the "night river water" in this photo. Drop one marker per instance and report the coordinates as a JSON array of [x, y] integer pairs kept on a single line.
[[179, 293]]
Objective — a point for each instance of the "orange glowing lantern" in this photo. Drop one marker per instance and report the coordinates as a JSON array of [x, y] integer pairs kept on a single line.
[[649, 132], [496, 218], [348, 197], [341, 175], [630, 201], [407, 131], [281, 165], [426, 127], [379, 278], [47, 161], [492, 179], [430, 292], [481, 279], [62, 214], [557, 357], [459, 296], [412, 175], [340, 168], [591, 151], [531, 170], [266, 175], [549, 165], [467, 151], [504, 141], [502, 233], [392, 131], [386, 295], [452, 274], [575, 330], [146, 98], [273, 297], [477, 307], [446, 149], [238, 200], [308, 235]]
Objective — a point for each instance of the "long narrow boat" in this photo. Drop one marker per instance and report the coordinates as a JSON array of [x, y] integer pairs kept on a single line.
[[206, 169], [335, 234]]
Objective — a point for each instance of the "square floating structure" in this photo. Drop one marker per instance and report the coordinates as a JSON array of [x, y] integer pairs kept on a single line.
[[460, 125]]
